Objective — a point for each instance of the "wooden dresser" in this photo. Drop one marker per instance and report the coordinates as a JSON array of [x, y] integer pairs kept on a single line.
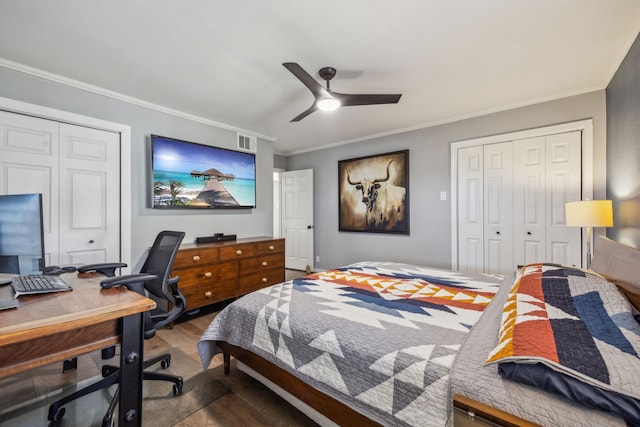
[[212, 272]]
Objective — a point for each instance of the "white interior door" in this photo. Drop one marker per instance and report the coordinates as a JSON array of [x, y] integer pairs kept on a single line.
[[498, 208], [551, 166], [90, 191], [470, 209], [297, 218], [563, 185], [529, 227], [77, 170], [29, 164]]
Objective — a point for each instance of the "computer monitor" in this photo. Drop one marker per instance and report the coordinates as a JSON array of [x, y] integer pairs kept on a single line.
[[21, 234]]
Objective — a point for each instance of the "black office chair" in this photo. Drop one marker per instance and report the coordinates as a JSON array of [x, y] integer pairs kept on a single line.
[[153, 281]]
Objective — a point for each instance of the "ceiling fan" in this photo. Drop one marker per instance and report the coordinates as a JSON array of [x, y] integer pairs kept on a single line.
[[326, 99]]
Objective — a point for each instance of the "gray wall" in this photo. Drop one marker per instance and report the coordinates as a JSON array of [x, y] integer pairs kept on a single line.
[[623, 148], [429, 150], [147, 222], [279, 161]]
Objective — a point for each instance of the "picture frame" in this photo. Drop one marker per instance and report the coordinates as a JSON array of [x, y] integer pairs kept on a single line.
[[373, 193]]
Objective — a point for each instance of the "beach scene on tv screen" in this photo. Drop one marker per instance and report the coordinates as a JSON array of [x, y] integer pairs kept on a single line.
[[186, 175]]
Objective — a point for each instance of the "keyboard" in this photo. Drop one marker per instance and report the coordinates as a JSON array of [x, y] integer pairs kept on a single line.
[[31, 284]]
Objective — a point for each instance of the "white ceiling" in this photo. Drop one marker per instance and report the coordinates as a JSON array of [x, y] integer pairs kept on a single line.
[[222, 60]]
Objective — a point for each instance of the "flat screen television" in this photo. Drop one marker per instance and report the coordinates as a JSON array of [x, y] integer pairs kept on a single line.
[[21, 234], [197, 176]]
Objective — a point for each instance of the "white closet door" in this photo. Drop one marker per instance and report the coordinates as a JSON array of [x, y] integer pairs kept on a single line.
[[529, 228], [470, 209], [77, 170], [498, 214], [563, 177], [29, 164], [90, 189]]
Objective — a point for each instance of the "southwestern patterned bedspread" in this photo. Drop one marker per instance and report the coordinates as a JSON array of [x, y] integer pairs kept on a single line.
[[571, 332], [381, 337]]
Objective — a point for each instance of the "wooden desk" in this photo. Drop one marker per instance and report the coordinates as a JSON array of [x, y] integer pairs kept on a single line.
[[57, 326]]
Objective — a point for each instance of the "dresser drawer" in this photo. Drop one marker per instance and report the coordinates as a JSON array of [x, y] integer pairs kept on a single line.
[[212, 273], [209, 292], [239, 251], [260, 280], [270, 247], [186, 258], [261, 263]]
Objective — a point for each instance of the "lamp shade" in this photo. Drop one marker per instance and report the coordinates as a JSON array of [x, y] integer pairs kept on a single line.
[[589, 213]]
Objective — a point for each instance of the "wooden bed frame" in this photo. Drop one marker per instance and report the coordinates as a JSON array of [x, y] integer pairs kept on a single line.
[[337, 411]]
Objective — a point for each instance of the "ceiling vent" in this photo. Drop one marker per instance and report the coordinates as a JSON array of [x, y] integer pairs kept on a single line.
[[247, 143]]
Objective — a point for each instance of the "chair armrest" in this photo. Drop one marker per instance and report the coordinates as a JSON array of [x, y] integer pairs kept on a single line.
[[133, 282], [108, 269], [179, 305]]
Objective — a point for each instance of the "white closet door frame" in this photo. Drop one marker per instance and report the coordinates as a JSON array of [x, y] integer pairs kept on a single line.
[[20, 107], [585, 126]]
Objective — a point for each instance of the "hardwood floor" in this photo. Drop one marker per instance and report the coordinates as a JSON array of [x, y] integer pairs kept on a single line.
[[246, 403]]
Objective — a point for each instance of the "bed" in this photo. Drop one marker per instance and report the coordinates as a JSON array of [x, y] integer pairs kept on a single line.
[[379, 343]]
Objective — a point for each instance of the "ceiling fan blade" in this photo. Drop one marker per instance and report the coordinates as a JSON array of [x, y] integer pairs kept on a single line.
[[311, 83], [305, 113], [349, 100]]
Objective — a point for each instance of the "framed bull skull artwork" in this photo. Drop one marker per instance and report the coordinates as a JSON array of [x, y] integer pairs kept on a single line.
[[374, 193]]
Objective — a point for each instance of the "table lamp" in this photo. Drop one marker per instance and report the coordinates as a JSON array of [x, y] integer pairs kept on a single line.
[[589, 213]]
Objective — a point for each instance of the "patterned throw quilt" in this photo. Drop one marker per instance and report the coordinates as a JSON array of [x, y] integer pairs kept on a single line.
[[565, 320], [380, 337]]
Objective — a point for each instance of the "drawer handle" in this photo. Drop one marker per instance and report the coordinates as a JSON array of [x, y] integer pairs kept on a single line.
[[196, 258], [264, 280], [265, 263], [239, 252], [208, 275], [271, 248], [208, 294]]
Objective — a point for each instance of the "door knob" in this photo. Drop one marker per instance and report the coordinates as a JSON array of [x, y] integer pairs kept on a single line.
[[528, 233], [497, 232]]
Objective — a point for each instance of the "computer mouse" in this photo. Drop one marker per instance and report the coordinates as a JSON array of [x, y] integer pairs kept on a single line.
[[5, 281]]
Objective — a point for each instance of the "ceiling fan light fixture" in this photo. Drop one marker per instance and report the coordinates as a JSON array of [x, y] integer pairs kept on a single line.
[[328, 104]]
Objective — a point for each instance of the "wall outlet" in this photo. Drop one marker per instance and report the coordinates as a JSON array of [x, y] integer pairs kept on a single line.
[[317, 258], [443, 195]]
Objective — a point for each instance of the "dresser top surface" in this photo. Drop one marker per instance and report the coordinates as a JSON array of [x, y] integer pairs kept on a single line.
[[229, 242]]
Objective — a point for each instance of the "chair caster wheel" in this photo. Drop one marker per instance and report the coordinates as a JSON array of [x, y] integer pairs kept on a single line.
[[177, 388], [56, 414], [165, 363], [108, 370], [107, 421]]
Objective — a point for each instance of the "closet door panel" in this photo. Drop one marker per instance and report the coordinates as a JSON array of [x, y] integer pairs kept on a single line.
[[29, 150], [498, 172], [563, 175], [90, 185], [470, 209], [532, 251], [529, 185]]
